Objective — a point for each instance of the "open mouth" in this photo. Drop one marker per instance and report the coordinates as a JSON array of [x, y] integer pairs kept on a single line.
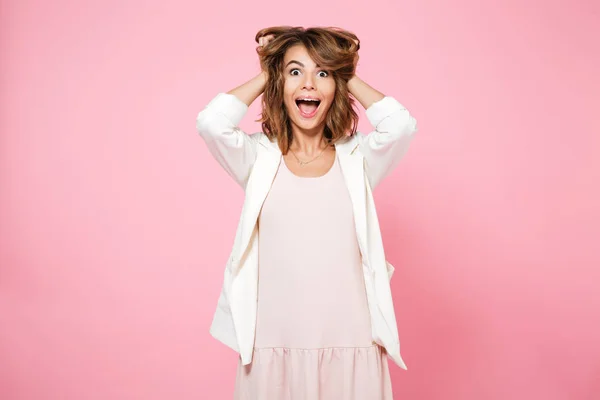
[[308, 107]]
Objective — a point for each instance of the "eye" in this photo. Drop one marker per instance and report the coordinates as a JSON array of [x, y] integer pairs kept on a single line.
[[326, 74]]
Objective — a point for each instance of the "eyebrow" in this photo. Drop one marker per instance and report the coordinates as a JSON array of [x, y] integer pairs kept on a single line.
[[299, 63]]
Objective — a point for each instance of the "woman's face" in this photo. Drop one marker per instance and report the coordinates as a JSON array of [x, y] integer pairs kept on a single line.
[[303, 79]]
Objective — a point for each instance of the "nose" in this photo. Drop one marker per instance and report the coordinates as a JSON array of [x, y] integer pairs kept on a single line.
[[308, 82]]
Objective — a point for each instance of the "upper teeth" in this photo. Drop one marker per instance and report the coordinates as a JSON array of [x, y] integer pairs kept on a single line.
[[308, 99]]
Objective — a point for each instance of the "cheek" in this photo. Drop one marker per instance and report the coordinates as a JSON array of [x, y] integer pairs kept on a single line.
[[330, 98], [329, 91], [287, 93], [289, 107], [289, 85], [286, 85]]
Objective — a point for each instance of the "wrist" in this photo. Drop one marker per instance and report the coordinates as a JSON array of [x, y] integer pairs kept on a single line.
[[352, 84], [262, 78]]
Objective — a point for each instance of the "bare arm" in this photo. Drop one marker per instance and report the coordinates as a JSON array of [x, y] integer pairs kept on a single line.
[[365, 94], [249, 91], [218, 124], [394, 126]]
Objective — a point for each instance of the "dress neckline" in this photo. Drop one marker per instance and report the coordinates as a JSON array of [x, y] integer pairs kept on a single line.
[[329, 171]]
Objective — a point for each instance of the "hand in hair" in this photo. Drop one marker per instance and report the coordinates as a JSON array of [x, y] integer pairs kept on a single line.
[[264, 40]]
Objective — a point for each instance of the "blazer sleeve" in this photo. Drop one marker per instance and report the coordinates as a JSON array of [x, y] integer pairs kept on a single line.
[[234, 150], [384, 147]]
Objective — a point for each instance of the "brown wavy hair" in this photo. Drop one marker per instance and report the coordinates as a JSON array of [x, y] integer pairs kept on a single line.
[[331, 48]]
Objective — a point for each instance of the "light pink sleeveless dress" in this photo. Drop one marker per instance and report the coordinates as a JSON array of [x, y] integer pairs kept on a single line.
[[313, 333]]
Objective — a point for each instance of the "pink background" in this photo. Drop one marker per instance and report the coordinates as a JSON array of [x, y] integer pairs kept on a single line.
[[115, 222]]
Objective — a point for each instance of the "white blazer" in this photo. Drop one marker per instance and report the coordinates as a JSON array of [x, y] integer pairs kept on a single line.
[[252, 161]]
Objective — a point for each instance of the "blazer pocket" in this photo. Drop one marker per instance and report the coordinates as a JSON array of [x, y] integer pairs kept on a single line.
[[390, 269]]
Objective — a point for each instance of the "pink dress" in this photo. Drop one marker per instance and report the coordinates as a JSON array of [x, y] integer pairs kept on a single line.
[[313, 332]]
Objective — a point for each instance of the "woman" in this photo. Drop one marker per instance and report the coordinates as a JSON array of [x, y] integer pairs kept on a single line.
[[306, 299]]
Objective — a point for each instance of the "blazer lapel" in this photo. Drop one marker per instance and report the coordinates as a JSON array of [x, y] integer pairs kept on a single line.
[[259, 184], [352, 165]]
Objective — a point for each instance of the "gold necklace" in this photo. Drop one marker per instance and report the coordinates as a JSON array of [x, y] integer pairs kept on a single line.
[[303, 163]]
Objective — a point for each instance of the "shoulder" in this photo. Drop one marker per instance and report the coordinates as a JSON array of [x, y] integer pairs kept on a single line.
[[265, 143], [349, 144]]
